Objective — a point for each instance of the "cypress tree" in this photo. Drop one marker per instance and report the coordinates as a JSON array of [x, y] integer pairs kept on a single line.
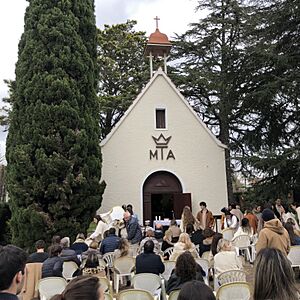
[[53, 154]]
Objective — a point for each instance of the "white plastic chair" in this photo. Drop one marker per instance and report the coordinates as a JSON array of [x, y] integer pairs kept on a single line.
[[228, 233], [169, 251], [231, 276], [105, 285], [234, 291], [108, 297], [174, 295], [69, 267], [50, 286], [242, 242], [169, 266], [147, 281], [205, 267], [294, 256], [109, 260], [134, 294], [123, 266]]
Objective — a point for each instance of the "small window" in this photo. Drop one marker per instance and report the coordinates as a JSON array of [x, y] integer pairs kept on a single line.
[[160, 118]]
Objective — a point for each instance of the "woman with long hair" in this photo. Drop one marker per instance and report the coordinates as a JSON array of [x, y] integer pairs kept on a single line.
[[196, 290], [274, 277], [123, 249], [186, 218], [244, 229], [92, 266], [184, 244], [295, 240], [82, 288], [186, 269]]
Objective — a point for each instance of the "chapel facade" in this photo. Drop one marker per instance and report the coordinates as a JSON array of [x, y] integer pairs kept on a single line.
[[160, 156]]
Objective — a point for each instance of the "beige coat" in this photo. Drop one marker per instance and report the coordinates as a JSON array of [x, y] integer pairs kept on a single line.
[[32, 277], [274, 235]]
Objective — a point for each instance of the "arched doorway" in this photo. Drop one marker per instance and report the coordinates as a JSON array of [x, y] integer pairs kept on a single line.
[[162, 196]]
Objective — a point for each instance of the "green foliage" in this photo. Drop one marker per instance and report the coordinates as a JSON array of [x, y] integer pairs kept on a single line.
[[123, 71], [273, 142], [211, 73], [53, 154], [5, 215]]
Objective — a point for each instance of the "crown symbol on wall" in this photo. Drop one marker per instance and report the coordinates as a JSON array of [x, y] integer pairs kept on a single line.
[[161, 141]]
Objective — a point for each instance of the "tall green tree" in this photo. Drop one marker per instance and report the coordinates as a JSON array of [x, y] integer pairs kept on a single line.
[[123, 71], [274, 139], [53, 154], [211, 70]]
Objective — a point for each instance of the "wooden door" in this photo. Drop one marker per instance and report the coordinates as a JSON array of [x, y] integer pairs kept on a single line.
[[180, 201], [147, 207]]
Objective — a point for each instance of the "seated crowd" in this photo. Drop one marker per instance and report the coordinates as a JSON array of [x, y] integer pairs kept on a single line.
[[195, 238]]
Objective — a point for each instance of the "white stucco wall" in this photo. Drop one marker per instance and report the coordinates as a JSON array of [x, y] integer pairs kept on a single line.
[[199, 163]]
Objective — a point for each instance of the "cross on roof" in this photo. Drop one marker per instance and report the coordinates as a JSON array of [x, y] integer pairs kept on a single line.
[[156, 19]]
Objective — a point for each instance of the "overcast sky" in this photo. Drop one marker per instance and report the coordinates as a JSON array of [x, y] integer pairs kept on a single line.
[[175, 15]]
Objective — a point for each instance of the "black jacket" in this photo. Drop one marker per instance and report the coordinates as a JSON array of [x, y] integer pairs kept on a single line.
[[52, 267], [175, 282], [149, 263]]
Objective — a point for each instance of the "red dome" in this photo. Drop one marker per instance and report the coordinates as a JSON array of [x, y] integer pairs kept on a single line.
[[158, 38]]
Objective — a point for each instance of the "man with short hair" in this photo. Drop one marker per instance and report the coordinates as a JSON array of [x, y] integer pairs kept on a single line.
[[40, 255], [273, 235], [205, 217], [149, 262], [110, 243], [12, 270]]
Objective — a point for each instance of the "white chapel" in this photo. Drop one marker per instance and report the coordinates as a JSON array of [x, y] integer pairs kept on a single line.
[[160, 156]]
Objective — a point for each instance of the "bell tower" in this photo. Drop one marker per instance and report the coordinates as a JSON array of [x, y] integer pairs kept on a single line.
[[158, 45]]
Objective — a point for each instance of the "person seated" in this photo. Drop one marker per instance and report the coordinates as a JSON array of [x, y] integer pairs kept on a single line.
[[67, 254], [196, 236], [123, 249], [80, 288], [186, 270], [110, 243], [205, 244], [184, 244], [92, 266], [175, 231], [12, 271], [295, 240], [55, 240], [226, 259], [196, 290], [150, 236], [231, 221], [273, 276], [244, 229], [93, 248], [148, 261], [167, 242], [40, 255], [159, 232], [53, 265], [79, 245]]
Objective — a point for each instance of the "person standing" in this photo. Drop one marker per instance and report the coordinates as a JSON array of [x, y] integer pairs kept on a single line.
[[12, 270], [273, 235], [205, 217], [134, 231], [100, 229]]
